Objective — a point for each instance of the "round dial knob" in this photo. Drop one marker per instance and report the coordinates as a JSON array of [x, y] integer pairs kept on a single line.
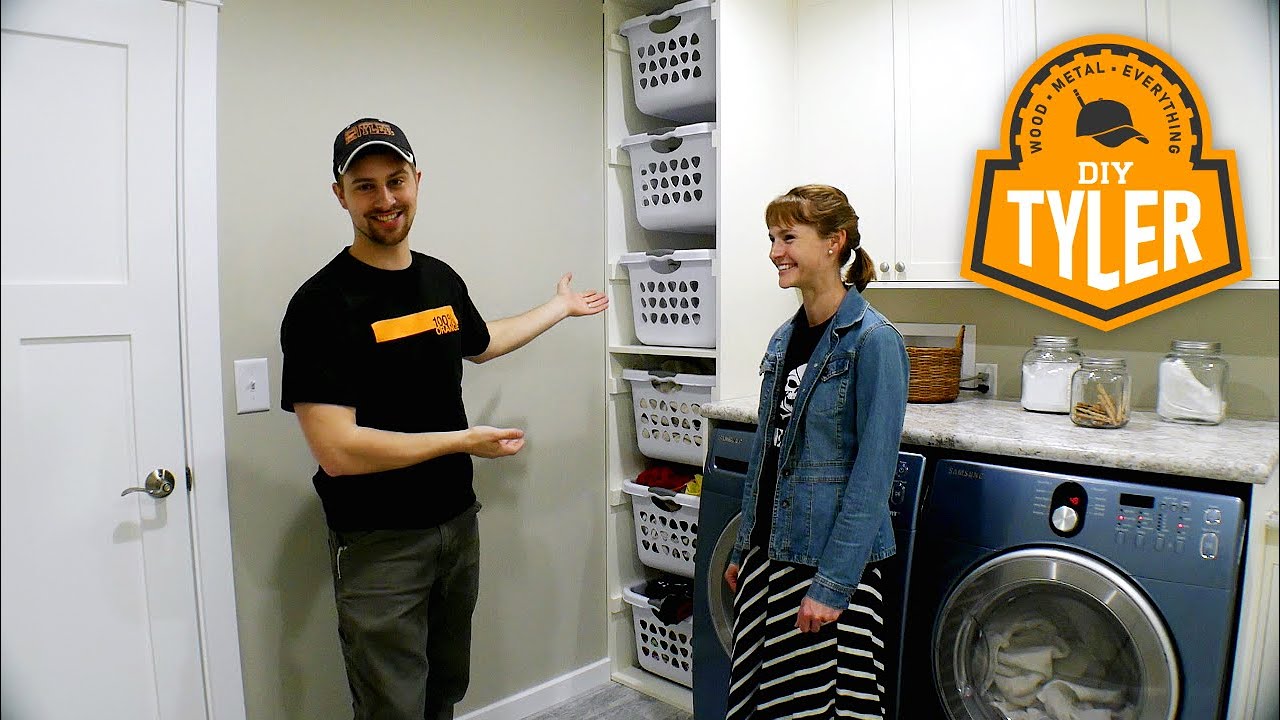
[[1065, 519]]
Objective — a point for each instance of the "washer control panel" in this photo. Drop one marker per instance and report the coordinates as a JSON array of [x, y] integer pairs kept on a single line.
[[1176, 535], [1180, 526]]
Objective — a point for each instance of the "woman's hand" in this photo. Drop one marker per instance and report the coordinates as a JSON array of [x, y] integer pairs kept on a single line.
[[813, 615], [731, 576]]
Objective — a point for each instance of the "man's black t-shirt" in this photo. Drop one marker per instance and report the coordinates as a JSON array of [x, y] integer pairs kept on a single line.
[[804, 340], [390, 344]]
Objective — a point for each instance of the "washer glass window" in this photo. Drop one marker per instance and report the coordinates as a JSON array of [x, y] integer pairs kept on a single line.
[[1046, 634]]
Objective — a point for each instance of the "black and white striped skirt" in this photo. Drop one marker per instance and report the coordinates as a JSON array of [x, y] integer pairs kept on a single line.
[[780, 673]]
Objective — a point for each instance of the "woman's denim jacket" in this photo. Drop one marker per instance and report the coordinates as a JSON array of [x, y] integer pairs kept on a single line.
[[839, 453]]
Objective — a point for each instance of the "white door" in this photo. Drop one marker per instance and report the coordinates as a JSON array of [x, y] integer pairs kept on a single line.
[[99, 611]]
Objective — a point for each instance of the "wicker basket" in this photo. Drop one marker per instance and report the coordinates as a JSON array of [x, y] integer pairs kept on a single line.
[[935, 372]]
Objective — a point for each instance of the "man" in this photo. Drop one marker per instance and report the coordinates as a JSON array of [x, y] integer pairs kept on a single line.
[[373, 346]]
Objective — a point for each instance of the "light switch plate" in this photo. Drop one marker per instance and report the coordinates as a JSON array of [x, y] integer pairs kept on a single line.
[[253, 391]]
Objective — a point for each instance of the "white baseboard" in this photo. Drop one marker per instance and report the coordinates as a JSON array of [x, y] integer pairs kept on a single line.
[[540, 697]]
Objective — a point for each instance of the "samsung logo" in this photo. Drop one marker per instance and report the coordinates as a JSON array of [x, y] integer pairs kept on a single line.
[[961, 472], [730, 440]]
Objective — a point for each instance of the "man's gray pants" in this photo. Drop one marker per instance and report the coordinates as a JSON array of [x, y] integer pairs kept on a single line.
[[405, 600]]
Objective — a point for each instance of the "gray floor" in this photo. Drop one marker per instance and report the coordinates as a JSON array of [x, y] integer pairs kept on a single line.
[[612, 702]]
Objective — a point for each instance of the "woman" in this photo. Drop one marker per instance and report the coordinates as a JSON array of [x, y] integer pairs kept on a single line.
[[808, 635]]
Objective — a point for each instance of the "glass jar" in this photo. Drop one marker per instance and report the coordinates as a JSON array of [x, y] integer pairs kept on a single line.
[[1046, 373], [1100, 393], [1191, 383]]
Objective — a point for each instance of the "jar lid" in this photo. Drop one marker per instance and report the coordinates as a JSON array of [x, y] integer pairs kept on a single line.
[[1103, 362], [1196, 346], [1055, 341]]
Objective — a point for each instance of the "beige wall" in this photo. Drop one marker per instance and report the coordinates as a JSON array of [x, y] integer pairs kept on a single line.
[[503, 103], [1246, 322]]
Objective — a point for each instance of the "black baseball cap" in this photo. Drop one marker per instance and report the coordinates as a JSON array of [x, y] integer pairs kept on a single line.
[[365, 133]]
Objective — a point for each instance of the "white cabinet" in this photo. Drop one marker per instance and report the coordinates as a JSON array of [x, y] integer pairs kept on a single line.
[[1230, 50], [1257, 662], [893, 98]]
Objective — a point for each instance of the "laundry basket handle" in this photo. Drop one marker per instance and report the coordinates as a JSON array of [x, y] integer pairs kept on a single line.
[[665, 499], [657, 17]]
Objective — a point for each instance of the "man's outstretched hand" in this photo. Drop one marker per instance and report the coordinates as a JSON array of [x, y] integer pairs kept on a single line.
[[578, 304]]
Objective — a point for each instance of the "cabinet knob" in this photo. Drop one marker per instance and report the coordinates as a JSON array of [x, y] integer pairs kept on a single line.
[[884, 267], [900, 266]]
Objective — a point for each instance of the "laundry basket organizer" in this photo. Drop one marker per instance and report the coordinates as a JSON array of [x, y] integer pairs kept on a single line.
[[666, 527], [673, 62], [673, 297], [662, 649], [668, 424], [673, 176]]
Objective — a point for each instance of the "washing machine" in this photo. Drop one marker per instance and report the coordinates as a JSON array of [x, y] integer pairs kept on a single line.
[[1039, 593], [719, 515]]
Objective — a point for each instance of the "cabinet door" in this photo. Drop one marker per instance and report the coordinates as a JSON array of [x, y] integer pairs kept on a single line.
[[950, 73], [844, 110], [1228, 48]]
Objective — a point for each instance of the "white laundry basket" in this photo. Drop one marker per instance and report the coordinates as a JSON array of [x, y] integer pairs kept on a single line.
[[662, 649], [666, 527], [668, 424], [673, 176], [673, 62], [673, 297]]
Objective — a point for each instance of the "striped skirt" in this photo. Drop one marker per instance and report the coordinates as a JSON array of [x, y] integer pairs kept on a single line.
[[780, 673]]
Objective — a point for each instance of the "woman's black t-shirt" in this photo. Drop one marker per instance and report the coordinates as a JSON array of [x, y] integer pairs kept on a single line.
[[804, 340], [390, 344]]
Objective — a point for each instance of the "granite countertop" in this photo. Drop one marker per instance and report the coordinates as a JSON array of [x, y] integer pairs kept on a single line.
[[1236, 450]]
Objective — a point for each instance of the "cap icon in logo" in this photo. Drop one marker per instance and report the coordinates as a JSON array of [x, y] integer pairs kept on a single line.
[[1106, 121]]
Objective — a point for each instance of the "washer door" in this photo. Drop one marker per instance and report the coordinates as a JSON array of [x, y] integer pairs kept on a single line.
[[719, 595], [1042, 632]]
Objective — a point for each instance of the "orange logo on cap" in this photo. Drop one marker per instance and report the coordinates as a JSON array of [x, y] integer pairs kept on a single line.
[[367, 128], [1107, 202]]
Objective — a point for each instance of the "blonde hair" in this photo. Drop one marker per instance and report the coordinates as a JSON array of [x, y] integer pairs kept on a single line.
[[826, 209]]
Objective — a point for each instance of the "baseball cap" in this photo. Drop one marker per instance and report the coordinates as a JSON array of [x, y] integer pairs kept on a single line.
[[365, 133]]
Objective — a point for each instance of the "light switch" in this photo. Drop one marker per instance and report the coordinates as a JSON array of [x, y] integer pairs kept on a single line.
[[253, 393]]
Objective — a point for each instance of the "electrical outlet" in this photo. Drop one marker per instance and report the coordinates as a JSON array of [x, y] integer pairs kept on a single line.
[[991, 370]]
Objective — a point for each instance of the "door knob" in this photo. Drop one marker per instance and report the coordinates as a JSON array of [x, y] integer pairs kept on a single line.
[[159, 484], [884, 267], [900, 267]]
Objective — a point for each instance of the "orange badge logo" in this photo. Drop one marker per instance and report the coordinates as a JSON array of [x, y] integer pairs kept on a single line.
[[1107, 202]]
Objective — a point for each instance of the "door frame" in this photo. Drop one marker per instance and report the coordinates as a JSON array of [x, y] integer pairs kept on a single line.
[[201, 348]]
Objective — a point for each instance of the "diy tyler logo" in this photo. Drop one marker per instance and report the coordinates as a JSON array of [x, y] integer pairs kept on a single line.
[[1107, 202]]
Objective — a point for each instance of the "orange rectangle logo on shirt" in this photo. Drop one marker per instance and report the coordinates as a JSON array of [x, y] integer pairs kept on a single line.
[[441, 320]]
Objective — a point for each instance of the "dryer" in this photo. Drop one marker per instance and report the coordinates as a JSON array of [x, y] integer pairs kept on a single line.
[[719, 515], [1044, 592]]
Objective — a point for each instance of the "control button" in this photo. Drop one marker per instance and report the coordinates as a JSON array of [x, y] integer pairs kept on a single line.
[[1159, 543], [1140, 540], [1120, 538], [1186, 507], [899, 491], [1213, 516], [1065, 519], [1209, 546], [1179, 546]]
